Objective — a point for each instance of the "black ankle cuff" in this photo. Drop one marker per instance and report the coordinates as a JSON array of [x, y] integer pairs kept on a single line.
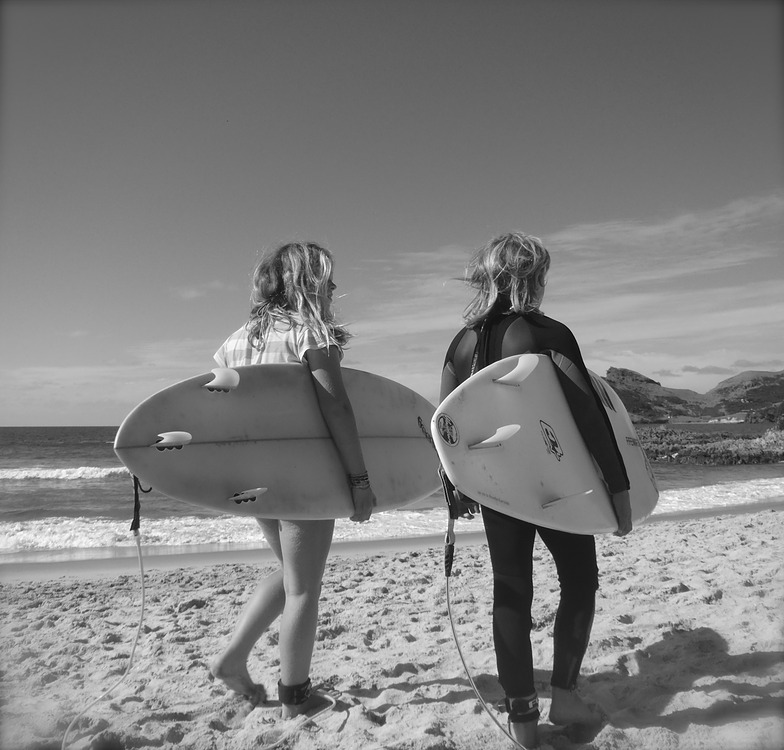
[[522, 709], [294, 695], [565, 686]]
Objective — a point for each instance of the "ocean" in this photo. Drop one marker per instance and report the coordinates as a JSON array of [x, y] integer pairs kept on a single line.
[[65, 495]]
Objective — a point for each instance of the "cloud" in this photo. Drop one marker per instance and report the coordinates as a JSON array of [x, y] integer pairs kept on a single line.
[[700, 287], [618, 266], [738, 215], [709, 370], [759, 364], [93, 394], [676, 249], [199, 291], [667, 374]]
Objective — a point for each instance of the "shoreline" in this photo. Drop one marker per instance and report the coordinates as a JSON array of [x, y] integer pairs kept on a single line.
[[128, 563], [107, 562]]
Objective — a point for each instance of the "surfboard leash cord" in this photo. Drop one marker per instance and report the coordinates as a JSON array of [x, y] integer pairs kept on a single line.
[[137, 487], [449, 557]]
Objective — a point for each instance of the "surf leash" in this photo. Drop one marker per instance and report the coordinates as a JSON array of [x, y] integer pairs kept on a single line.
[[300, 722], [137, 487], [453, 503]]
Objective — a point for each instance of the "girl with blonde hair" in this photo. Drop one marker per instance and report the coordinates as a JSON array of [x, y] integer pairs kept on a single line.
[[508, 275], [291, 320]]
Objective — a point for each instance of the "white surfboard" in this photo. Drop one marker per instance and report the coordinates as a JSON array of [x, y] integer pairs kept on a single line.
[[507, 439], [251, 441]]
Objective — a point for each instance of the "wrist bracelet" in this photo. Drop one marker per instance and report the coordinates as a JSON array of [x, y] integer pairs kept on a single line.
[[359, 481]]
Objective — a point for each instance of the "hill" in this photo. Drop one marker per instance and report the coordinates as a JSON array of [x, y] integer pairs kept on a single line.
[[754, 396]]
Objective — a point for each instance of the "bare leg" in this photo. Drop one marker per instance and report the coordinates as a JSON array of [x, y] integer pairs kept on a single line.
[[293, 591], [305, 546], [264, 606]]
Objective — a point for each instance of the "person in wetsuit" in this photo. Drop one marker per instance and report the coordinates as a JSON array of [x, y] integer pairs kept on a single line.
[[504, 319]]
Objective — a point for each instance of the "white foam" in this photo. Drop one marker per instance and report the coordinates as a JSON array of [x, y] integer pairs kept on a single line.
[[719, 495], [78, 472], [84, 533], [92, 533]]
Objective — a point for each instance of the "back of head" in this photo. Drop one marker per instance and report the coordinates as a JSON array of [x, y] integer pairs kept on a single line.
[[511, 270], [292, 277], [293, 281]]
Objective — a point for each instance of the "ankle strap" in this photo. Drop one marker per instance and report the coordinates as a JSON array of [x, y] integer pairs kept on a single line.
[[294, 695], [522, 709]]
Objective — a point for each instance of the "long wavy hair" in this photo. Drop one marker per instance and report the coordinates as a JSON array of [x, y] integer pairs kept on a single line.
[[290, 285], [512, 266]]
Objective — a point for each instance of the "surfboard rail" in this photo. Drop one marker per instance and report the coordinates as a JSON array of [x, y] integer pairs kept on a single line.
[[211, 439], [507, 439]]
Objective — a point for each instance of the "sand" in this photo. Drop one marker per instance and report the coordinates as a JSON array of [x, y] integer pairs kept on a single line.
[[686, 651]]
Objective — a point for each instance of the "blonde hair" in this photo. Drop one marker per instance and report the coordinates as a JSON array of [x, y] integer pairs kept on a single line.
[[293, 280], [513, 265]]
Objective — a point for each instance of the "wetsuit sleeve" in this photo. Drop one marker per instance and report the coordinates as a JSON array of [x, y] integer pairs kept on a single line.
[[459, 356], [548, 336], [594, 426], [449, 359], [449, 379]]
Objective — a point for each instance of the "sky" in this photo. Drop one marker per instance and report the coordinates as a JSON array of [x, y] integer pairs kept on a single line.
[[150, 151]]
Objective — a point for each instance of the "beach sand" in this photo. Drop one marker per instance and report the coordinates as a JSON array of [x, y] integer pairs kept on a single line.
[[686, 651]]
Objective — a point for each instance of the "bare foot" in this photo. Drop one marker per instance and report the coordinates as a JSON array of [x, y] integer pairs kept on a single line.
[[525, 733], [237, 678], [568, 707]]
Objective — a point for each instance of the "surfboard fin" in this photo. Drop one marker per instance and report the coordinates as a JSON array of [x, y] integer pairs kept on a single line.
[[500, 436], [520, 372], [248, 496], [555, 500], [170, 440], [224, 379]]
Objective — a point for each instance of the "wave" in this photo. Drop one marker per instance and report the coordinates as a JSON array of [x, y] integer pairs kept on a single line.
[[60, 533], [70, 474]]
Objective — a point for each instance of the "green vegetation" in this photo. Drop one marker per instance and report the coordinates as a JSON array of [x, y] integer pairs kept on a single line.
[[682, 446]]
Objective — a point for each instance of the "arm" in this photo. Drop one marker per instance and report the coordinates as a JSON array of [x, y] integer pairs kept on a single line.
[[592, 422], [594, 426], [448, 380], [339, 415], [623, 512], [465, 506]]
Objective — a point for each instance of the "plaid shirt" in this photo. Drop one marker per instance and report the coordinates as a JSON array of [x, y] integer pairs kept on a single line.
[[281, 344]]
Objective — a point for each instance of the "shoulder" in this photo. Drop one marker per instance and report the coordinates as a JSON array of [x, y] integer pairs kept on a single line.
[[545, 324], [534, 332], [241, 334], [458, 337], [234, 350], [463, 335], [309, 337]]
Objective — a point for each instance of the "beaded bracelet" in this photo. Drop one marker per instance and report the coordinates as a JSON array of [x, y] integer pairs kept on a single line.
[[359, 481]]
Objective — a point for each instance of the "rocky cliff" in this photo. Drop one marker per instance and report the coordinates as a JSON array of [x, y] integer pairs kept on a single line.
[[754, 395]]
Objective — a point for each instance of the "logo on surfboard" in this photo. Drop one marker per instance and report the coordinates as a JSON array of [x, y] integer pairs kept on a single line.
[[550, 440], [447, 429]]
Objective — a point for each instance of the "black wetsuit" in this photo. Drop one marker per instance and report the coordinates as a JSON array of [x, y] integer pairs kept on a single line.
[[510, 540]]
